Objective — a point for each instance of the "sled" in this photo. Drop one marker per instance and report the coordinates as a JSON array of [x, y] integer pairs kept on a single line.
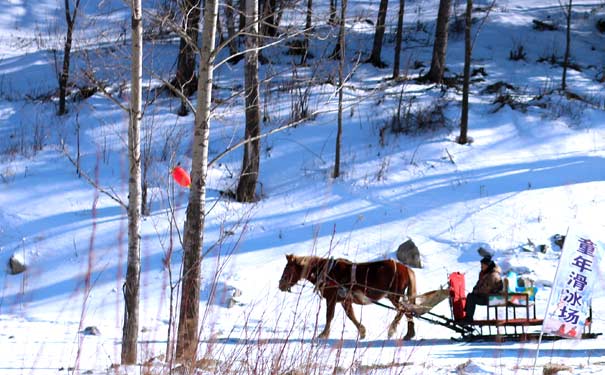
[[511, 315]]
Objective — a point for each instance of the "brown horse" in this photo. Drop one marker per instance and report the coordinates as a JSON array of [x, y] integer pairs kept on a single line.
[[339, 280]]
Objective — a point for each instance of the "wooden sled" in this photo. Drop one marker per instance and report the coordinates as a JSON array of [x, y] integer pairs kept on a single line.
[[510, 315]]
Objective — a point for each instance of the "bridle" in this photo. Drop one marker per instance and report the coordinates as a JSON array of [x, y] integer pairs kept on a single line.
[[316, 272], [287, 279]]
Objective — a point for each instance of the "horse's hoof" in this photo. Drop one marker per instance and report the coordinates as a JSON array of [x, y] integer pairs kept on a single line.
[[362, 333], [408, 337], [391, 333], [322, 336]]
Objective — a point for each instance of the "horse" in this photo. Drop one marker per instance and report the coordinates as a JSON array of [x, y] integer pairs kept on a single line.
[[340, 280]]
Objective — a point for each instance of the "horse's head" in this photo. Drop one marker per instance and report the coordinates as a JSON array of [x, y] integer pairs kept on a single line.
[[293, 272]]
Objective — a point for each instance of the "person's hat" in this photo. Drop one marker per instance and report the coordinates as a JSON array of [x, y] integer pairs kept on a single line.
[[486, 260]]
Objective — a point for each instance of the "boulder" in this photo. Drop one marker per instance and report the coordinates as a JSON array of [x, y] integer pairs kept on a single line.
[[408, 254], [16, 264], [231, 300], [559, 240], [91, 331]]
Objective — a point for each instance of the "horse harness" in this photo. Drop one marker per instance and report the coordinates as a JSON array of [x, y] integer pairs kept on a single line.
[[325, 280]]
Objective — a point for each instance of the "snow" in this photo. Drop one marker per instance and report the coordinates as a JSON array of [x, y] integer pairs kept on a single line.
[[527, 175]]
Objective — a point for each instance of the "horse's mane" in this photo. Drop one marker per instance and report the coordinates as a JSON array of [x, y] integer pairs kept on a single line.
[[307, 260]]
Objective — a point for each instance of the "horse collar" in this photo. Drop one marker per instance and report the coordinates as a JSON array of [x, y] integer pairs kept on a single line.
[[322, 278], [331, 264]]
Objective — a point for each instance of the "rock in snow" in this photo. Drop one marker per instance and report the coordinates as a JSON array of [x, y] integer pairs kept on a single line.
[[91, 331], [16, 264], [408, 254]]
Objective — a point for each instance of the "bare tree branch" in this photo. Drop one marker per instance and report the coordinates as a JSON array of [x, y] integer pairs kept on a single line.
[[112, 195]]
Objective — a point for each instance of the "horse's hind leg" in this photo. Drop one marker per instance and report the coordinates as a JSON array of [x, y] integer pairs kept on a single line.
[[348, 307], [400, 311], [411, 331], [395, 323]]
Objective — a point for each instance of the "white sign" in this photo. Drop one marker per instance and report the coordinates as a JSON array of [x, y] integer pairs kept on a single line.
[[570, 299]]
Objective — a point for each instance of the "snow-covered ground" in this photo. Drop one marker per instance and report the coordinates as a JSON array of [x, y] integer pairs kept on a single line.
[[527, 176]]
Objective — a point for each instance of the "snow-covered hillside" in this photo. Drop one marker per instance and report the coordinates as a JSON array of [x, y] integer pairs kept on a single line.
[[530, 173]]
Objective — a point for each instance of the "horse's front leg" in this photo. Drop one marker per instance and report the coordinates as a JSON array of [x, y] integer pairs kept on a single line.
[[330, 306], [348, 307]]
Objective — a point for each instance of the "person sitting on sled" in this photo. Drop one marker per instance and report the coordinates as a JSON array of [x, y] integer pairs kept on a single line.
[[490, 282]]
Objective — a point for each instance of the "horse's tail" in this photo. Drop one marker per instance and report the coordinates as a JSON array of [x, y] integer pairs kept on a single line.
[[411, 290]]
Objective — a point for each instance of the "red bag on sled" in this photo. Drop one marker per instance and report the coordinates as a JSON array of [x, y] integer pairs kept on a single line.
[[457, 295]]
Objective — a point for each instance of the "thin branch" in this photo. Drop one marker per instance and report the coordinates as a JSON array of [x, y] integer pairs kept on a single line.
[[290, 124], [450, 156], [112, 195], [178, 92], [101, 86], [273, 131], [242, 32], [489, 9]]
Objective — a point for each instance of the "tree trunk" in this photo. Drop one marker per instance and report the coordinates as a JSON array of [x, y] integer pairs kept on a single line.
[[242, 16], [308, 26], [398, 39], [230, 21], [332, 19], [193, 237], [440, 47], [374, 58], [341, 64], [270, 18], [70, 19], [246, 187], [185, 79], [462, 139], [567, 47], [131, 285]]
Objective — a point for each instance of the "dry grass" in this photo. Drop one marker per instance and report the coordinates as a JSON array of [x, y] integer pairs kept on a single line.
[[553, 368]]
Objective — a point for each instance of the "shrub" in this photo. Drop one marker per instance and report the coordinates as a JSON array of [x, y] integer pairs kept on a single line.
[[517, 53], [422, 118], [600, 25]]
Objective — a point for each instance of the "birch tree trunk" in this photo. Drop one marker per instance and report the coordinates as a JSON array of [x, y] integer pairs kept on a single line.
[[468, 50], [440, 46], [131, 285], [193, 237], [246, 187]]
